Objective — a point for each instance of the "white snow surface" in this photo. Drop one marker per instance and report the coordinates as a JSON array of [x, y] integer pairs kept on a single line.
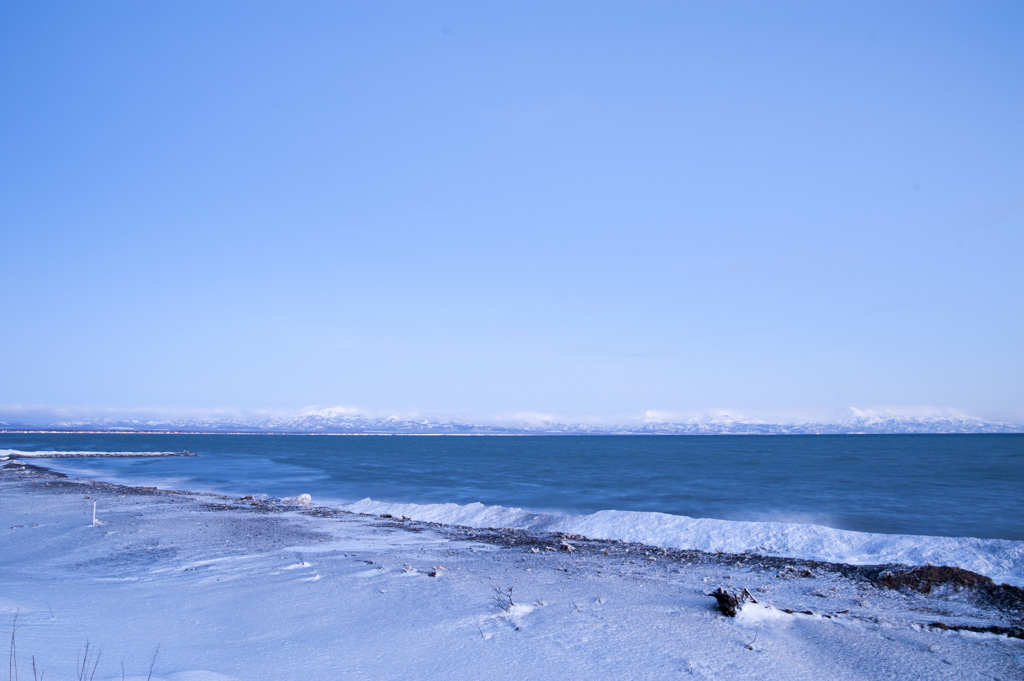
[[1002, 560], [223, 589]]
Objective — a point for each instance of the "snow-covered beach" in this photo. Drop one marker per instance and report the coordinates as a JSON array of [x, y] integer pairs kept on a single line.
[[235, 588]]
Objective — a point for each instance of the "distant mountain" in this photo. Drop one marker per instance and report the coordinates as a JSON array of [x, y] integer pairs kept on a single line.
[[331, 421], [858, 421], [853, 422], [345, 421], [715, 423]]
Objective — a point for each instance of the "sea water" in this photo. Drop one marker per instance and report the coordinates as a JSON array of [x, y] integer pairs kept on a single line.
[[814, 495]]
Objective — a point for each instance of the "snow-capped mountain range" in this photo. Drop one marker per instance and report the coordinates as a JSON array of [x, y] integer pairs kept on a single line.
[[852, 421], [347, 421]]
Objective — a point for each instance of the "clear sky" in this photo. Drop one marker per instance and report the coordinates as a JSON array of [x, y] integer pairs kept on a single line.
[[499, 206]]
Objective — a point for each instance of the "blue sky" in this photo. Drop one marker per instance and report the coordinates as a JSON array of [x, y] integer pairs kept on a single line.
[[486, 207]]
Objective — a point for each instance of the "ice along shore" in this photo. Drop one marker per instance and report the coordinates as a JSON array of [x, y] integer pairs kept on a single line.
[[208, 588]]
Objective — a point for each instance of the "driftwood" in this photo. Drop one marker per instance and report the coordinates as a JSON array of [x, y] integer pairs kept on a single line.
[[729, 603]]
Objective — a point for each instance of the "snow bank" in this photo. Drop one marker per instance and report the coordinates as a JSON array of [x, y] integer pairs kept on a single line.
[[1002, 560]]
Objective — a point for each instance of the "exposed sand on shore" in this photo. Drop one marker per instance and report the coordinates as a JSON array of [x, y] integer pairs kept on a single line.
[[242, 589]]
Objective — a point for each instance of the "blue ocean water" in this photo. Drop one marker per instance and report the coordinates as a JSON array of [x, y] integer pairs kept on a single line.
[[940, 485]]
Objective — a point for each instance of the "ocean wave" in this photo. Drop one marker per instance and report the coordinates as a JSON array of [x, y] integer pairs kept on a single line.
[[1000, 559]]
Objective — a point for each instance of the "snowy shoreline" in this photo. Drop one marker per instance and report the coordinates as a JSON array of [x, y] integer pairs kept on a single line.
[[243, 588], [1000, 559], [6, 454]]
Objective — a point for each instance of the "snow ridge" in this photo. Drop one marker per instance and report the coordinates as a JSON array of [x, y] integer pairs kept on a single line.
[[1000, 559]]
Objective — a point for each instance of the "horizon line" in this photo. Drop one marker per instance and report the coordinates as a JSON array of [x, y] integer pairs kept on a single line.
[[42, 416]]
